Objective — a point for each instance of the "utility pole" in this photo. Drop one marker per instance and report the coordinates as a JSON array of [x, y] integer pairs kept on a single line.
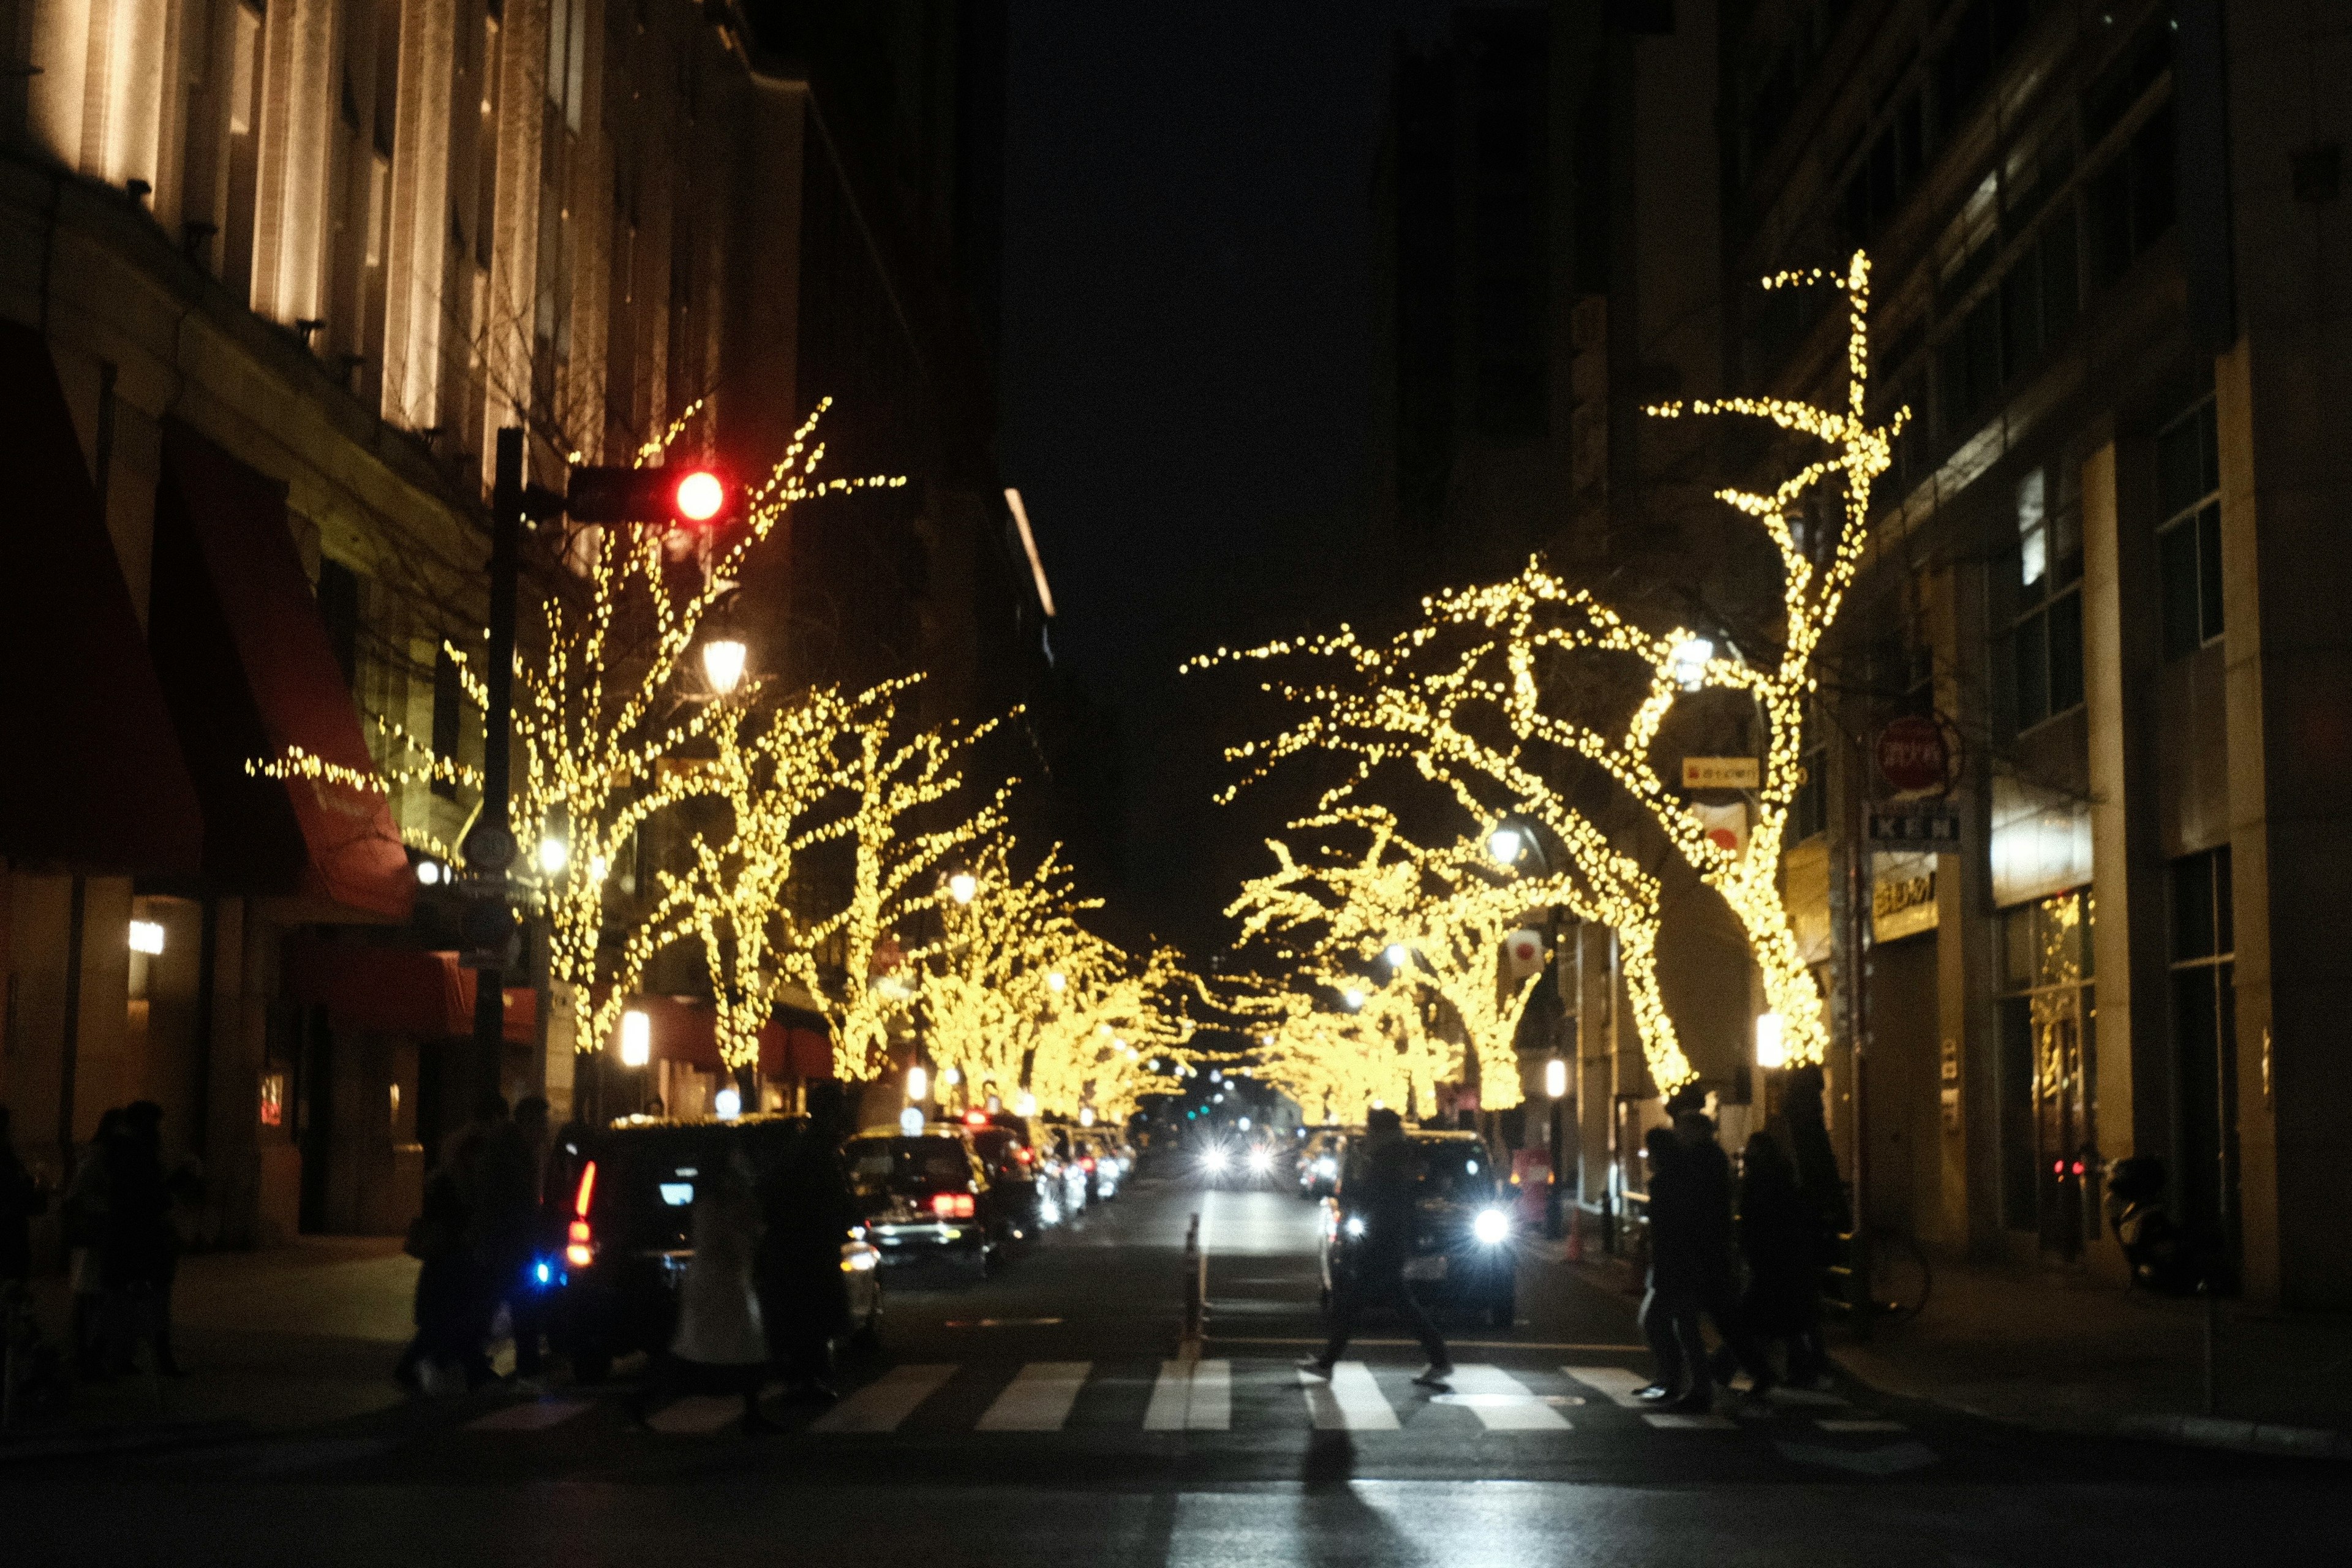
[[489, 848]]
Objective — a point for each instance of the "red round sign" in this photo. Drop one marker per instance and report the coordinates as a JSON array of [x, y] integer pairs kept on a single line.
[[1912, 754]]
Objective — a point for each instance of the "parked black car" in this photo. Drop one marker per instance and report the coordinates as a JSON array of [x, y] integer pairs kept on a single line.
[[630, 1234], [1462, 1239], [1012, 1177], [927, 1198]]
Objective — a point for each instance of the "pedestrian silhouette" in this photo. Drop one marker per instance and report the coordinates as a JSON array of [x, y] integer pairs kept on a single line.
[[1379, 1194]]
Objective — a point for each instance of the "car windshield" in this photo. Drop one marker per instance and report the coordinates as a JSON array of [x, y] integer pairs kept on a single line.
[[996, 1145], [908, 1165], [1453, 1171]]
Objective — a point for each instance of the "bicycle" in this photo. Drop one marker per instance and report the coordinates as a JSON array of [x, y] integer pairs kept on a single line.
[[1897, 1285]]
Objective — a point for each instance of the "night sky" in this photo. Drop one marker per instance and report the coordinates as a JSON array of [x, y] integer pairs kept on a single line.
[[1187, 347]]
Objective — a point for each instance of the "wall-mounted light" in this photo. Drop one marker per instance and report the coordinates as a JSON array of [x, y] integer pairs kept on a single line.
[[1556, 1077], [1771, 1049], [147, 937], [919, 1084], [637, 1038]]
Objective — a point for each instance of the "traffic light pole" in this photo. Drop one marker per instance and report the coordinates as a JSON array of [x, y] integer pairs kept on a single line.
[[497, 722]]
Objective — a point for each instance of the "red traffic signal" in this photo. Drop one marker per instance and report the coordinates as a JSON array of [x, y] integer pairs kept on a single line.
[[690, 495]]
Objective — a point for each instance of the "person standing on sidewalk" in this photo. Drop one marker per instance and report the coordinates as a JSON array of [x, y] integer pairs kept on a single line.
[[84, 1213], [522, 1177], [21, 1197], [1382, 1198]]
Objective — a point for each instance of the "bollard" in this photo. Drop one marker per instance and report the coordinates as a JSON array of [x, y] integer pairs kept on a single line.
[[1576, 1233], [1196, 1290]]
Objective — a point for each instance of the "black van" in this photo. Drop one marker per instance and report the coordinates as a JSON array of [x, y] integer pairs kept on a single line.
[[630, 1234]]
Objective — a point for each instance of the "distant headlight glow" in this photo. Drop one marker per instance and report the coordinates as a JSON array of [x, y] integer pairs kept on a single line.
[[1261, 1161], [1216, 1160], [1493, 1226]]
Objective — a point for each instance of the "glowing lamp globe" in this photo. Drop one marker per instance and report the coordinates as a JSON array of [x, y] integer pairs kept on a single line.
[[722, 664]]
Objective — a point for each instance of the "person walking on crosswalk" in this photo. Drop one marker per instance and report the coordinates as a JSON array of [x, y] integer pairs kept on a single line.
[[1380, 1194]]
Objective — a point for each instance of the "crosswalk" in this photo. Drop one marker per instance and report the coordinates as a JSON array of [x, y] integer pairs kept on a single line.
[[1213, 1395]]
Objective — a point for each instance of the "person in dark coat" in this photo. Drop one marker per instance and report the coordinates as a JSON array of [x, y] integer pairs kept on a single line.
[[1712, 1277], [1380, 1194], [139, 1252], [448, 1301], [21, 1198], [809, 1212], [1780, 1239], [1669, 1315]]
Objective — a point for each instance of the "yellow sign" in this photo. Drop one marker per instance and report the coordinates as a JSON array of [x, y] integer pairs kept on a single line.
[[1721, 772], [1903, 903]]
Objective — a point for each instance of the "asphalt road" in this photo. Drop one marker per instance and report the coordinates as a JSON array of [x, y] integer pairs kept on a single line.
[[1041, 1417]]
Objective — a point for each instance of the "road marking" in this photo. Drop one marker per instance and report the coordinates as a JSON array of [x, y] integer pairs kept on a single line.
[[1669, 1421], [1457, 1344], [1502, 1401], [1003, 1322], [1828, 1425], [1613, 1380], [1192, 1396], [531, 1415], [1784, 1394], [889, 1399], [1039, 1399], [698, 1413], [1350, 1402]]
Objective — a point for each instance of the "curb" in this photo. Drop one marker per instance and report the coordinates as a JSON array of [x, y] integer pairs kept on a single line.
[[69, 1444], [2267, 1438], [2244, 1437]]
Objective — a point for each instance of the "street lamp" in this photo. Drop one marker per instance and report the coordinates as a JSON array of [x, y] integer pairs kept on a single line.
[[1556, 1077], [1771, 1045], [553, 856], [1354, 998], [964, 887], [1504, 845], [1399, 955], [722, 664], [1687, 662], [1056, 983], [919, 1084]]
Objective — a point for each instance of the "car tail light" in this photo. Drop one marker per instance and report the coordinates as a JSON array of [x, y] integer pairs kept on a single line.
[[975, 1119], [1088, 1163], [581, 1250], [951, 1206], [1025, 1155]]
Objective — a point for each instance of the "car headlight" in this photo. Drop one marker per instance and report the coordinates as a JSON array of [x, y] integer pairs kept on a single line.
[[1491, 1227], [1215, 1161], [1327, 1167], [1355, 1225], [1261, 1161]]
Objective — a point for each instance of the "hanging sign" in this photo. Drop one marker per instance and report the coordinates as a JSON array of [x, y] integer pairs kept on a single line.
[[1722, 772], [1913, 755]]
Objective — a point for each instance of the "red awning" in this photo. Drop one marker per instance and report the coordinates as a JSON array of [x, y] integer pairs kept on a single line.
[[248, 672], [92, 779], [684, 1029], [398, 991]]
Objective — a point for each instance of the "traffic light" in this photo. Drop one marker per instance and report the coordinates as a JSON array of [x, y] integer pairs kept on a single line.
[[690, 495]]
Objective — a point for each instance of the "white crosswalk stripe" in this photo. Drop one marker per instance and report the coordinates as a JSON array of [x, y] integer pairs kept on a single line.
[[1199, 1396], [1192, 1396], [1039, 1399], [1350, 1402], [531, 1415], [1613, 1380], [698, 1413], [882, 1405], [1502, 1401]]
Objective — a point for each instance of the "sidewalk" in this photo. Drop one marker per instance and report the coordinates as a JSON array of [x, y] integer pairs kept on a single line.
[[2056, 1351], [292, 1336]]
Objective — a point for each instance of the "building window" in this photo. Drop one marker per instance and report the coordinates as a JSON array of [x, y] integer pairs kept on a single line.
[[2130, 201], [2205, 1051], [2047, 1083], [2046, 642], [2189, 541], [447, 697], [338, 608]]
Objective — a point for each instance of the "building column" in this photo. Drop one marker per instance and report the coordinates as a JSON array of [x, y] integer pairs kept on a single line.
[[2287, 667], [2129, 933], [1968, 1208]]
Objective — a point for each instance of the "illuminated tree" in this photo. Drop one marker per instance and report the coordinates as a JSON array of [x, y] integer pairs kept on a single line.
[[604, 707], [1493, 694]]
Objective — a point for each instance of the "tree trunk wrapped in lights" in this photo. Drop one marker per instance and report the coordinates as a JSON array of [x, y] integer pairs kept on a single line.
[[902, 836]]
